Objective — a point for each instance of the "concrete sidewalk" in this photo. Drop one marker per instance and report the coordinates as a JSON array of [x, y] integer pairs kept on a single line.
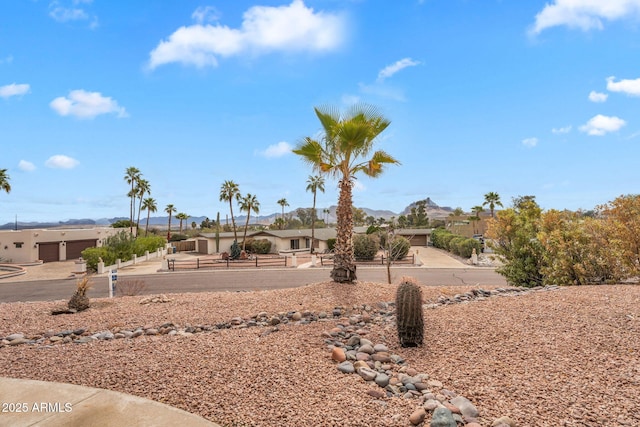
[[39, 403]]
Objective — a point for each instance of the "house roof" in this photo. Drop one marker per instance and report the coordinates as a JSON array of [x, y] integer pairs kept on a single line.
[[320, 233]]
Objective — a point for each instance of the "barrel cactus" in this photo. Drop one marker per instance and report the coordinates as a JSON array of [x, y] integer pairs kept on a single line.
[[409, 319]]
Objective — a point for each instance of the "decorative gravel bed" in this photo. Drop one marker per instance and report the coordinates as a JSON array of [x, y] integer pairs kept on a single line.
[[542, 359]]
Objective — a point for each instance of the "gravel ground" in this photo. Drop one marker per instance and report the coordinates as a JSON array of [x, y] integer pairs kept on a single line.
[[569, 357]]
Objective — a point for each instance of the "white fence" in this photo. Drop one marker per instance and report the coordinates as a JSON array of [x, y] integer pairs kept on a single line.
[[136, 260]]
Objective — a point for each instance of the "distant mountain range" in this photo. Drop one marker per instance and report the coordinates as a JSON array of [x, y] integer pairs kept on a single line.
[[433, 211]]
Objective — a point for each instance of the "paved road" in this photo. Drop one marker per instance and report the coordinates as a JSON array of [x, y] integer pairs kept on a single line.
[[243, 280]]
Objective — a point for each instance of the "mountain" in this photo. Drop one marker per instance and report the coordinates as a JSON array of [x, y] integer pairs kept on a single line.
[[433, 211]]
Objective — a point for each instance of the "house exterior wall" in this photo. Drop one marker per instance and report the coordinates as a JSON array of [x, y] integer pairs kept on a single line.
[[22, 246]]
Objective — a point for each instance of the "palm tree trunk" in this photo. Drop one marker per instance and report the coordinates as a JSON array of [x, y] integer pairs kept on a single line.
[[139, 210], [146, 228], [313, 222], [246, 225], [344, 268], [233, 221]]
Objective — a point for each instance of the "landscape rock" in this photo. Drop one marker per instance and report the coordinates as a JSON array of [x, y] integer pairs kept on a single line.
[[442, 417], [418, 416]]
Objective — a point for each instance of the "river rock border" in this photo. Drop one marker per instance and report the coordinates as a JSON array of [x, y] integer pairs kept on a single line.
[[373, 362]]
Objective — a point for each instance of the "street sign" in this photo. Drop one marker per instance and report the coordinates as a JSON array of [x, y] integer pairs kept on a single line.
[[113, 280]]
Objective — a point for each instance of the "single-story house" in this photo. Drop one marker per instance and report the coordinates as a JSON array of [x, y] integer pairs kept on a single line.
[[50, 245], [283, 241]]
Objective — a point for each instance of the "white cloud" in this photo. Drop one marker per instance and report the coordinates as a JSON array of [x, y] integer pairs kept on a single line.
[[584, 14], [562, 130], [390, 70], [349, 100], [6, 60], [382, 91], [65, 11], [26, 166], [276, 150], [597, 96], [86, 105], [14, 90], [530, 142], [630, 87], [60, 161], [600, 125], [264, 29], [205, 14]]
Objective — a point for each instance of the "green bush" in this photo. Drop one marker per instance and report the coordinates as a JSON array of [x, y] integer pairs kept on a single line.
[[178, 237], [365, 247], [464, 247], [399, 248], [92, 255], [149, 243], [331, 243], [440, 238], [261, 246], [454, 244]]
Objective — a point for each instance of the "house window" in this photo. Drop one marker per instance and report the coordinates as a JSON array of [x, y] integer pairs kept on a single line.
[[306, 242], [295, 243], [18, 244]]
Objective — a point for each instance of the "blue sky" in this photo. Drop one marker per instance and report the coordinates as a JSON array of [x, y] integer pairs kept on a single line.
[[520, 98]]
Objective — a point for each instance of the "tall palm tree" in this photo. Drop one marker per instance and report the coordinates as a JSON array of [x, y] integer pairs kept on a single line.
[[492, 199], [170, 209], [4, 181], [131, 176], [228, 192], [142, 188], [315, 183], [282, 202], [182, 217], [149, 204], [326, 211], [344, 151], [477, 210], [247, 204]]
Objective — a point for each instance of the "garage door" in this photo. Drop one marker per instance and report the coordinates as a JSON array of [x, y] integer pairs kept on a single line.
[[75, 248], [202, 246], [419, 240], [49, 251]]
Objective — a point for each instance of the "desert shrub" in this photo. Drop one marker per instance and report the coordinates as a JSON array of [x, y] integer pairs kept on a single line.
[[130, 287], [234, 251], [331, 243], [92, 257], [149, 243], [176, 237], [365, 247], [464, 246], [123, 223], [437, 237], [121, 244], [409, 318], [261, 246], [399, 248], [452, 243], [80, 301]]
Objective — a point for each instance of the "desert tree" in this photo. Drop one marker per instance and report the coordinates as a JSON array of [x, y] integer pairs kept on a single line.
[[149, 204], [345, 150], [229, 192], [131, 176], [247, 204], [282, 202], [315, 183], [492, 199], [170, 209]]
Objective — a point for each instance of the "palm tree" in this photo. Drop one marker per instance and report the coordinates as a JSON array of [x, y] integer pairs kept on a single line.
[[229, 191], [170, 209], [326, 211], [282, 202], [477, 210], [149, 204], [492, 199], [4, 181], [142, 187], [247, 204], [314, 183], [182, 217], [343, 152], [131, 176]]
